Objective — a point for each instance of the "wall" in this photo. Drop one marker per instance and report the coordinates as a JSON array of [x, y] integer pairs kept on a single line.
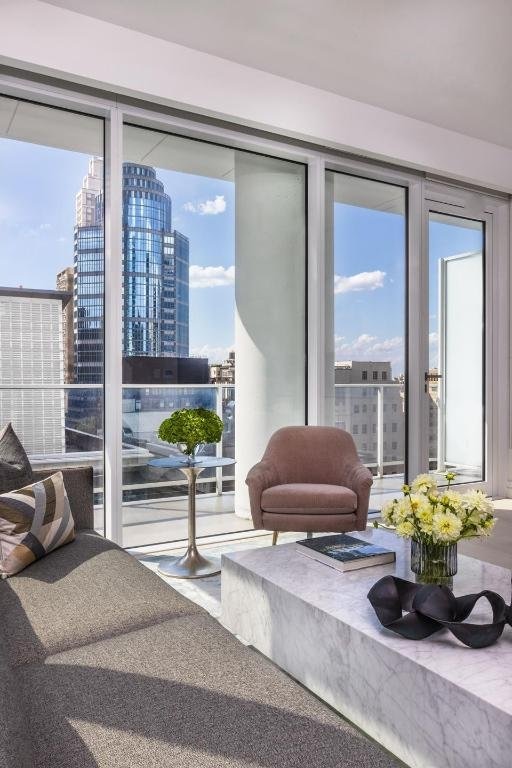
[[50, 40]]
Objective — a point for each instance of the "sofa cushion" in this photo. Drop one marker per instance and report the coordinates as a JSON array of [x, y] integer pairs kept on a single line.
[[187, 694], [88, 590], [15, 751], [310, 498], [34, 521], [15, 469]]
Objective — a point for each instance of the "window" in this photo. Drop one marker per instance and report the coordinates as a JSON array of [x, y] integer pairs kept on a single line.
[[366, 237], [356, 408], [394, 426], [51, 302], [355, 429], [180, 261]]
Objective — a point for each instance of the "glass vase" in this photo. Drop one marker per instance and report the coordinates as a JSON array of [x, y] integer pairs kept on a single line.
[[433, 563]]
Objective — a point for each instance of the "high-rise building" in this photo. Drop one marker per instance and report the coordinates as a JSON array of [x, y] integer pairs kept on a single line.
[[357, 410], [65, 283], [155, 276], [92, 185], [32, 353]]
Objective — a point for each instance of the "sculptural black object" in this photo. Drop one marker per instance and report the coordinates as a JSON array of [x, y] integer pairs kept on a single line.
[[417, 611]]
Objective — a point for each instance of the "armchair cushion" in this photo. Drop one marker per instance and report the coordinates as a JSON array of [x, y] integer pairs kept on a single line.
[[308, 498]]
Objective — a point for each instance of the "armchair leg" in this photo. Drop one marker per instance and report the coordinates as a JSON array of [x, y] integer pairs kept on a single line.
[[275, 534], [309, 535]]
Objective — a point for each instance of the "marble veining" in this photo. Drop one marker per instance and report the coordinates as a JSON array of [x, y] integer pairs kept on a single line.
[[434, 703]]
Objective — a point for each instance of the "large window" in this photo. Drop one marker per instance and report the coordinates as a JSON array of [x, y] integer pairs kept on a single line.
[[368, 242], [211, 239], [190, 269], [51, 285]]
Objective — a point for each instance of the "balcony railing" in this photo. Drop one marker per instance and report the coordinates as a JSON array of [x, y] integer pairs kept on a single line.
[[63, 425], [374, 415]]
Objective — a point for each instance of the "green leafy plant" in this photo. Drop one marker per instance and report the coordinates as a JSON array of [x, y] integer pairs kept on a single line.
[[191, 427]]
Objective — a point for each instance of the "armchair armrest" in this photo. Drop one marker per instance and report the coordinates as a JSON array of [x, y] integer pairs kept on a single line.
[[263, 475], [78, 482], [360, 480]]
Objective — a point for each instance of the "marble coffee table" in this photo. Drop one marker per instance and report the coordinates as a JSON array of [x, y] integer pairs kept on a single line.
[[433, 703]]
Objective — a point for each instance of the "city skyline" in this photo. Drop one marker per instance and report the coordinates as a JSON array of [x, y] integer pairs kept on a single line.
[[37, 213]]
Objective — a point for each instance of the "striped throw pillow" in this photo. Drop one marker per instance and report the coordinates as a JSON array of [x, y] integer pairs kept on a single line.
[[33, 521]]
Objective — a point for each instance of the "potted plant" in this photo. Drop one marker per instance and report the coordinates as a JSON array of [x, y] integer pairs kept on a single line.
[[190, 427], [435, 520]]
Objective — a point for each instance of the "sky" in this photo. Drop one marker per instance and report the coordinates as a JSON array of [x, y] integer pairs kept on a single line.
[[369, 250], [37, 211]]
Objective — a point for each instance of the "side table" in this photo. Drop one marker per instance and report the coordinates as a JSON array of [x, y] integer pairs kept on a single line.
[[192, 565]]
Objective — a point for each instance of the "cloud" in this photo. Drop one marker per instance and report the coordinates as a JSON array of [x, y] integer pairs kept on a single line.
[[433, 338], [214, 354], [363, 281], [366, 347], [208, 207], [388, 345], [210, 277]]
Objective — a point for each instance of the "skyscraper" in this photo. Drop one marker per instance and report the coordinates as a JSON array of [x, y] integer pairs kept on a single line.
[[155, 274], [31, 351], [65, 283]]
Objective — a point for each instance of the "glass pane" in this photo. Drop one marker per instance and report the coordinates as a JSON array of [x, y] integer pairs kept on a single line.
[[51, 299], [369, 259], [456, 346], [193, 215]]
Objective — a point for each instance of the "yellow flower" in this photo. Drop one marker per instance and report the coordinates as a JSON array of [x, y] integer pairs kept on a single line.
[[425, 517], [486, 526], [387, 513], [406, 529], [446, 527], [403, 510], [423, 484], [478, 501]]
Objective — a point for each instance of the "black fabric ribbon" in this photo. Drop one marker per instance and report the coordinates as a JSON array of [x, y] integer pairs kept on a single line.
[[416, 611]]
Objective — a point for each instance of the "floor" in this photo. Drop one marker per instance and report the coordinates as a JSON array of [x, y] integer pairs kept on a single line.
[[496, 549]]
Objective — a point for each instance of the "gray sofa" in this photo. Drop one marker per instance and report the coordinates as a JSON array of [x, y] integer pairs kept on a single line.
[[103, 664]]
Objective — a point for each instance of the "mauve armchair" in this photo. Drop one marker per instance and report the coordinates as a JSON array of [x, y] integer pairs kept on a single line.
[[310, 479]]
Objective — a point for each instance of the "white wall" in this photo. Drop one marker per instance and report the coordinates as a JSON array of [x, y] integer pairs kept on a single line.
[[51, 40]]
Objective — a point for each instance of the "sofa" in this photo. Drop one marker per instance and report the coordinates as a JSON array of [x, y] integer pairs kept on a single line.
[[103, 664]]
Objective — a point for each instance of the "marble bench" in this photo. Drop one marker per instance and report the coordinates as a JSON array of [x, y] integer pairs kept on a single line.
[[433, 704]]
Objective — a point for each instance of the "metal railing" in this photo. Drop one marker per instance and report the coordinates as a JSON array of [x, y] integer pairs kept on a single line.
[[73, 425], [382, 395]]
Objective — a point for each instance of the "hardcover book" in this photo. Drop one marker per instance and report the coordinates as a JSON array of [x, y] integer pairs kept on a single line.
[[345, 553]]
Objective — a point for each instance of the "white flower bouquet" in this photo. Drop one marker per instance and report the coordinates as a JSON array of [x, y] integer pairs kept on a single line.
[[439, 516]]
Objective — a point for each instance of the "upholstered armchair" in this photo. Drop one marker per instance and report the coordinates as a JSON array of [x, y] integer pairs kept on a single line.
[[310, 479]]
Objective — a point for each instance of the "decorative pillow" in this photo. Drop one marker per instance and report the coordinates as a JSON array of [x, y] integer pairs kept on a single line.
[[33, 521], [15, 469]]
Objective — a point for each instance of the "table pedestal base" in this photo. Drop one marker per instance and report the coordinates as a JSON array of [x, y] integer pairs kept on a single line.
[[191, 565]]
